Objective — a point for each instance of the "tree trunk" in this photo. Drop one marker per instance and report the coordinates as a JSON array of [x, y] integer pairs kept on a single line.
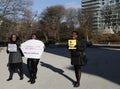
[[46, 36], [57, 32]]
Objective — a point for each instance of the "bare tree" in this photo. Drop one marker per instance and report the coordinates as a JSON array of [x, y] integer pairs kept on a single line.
[[107, 15], [54, 15], [12, 12], [13, 8], [85, 19], [71, 18], [45, 29]]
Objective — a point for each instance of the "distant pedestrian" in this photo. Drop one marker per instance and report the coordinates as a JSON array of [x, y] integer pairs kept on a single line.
[[15, 57], [76, 54], [32, 64]]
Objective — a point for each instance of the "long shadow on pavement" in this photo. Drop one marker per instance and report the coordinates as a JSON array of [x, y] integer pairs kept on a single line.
[[57, 70], [25, 70], [62, 51], [103, 62]]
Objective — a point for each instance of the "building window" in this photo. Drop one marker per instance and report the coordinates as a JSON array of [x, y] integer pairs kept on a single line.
[[111, 2], [117, 1], [103, 3]]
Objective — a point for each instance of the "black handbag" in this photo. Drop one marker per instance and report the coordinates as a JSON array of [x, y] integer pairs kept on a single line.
[[83, 60]]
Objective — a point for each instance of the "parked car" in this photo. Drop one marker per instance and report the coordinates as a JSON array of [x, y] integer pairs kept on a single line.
[[50, 42], [89, 44], [2, 44]]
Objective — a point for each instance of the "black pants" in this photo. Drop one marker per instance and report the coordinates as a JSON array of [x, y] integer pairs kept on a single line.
[[32, 67], [13, 67]]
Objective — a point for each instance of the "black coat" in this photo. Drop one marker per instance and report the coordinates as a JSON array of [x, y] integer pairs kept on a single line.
[[15, 57], [77, 54]]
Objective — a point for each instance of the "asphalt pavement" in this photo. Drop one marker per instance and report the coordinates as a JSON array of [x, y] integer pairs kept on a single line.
[[56, 72]]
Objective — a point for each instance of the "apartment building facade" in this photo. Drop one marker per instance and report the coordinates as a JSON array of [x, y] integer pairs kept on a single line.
[[101, 8]]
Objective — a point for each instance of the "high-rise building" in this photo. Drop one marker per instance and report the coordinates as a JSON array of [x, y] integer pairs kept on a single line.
[[101, 8]]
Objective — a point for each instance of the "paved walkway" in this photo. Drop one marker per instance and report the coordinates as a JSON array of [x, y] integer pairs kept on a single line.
[[54, 72]]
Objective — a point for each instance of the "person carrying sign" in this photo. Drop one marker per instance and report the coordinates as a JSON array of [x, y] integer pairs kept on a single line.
[[33, 61], [77, 48], [15, 57]]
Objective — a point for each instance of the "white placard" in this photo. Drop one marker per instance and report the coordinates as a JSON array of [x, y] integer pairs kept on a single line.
[[32, 48], [12, 47]]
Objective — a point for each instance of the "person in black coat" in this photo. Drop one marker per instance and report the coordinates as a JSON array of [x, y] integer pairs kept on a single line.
[[15, 58], [76, 56]]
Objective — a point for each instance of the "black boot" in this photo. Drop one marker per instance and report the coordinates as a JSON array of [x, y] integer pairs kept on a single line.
[[76, 84], [11, 75], [32, 81], [21, 76], [9, 79], [21, 72]]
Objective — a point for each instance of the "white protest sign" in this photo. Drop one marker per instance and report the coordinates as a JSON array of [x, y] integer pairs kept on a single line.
[[32, 48], [12, 47]]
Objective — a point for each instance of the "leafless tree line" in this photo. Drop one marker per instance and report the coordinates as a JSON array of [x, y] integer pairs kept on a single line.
[[55, 22]]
